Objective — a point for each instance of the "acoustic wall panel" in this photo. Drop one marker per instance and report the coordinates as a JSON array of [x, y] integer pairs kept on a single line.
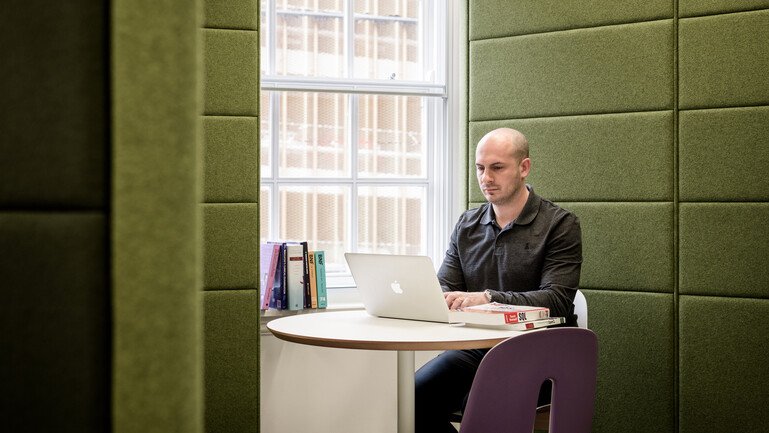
[[722, 364], [231, 159], [231, 72], [232, 360], [489, 20], [689, 216], [53, 124], [636, 367], [689, 8], [619, 68], [724, 154], [231, 246], [627, 246], [612, 157], [231, 14], [723, 59], [54, 322], [231, 215], [724, 249], [155, 220]]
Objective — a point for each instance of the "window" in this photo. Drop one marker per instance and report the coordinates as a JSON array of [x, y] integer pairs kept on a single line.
[[353, 127]]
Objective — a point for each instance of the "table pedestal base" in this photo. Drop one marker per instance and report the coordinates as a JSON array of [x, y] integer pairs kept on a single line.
[[406, 391]]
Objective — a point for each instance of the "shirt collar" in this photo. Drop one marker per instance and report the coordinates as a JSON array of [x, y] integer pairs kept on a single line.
[[530, 209], [528, 213]]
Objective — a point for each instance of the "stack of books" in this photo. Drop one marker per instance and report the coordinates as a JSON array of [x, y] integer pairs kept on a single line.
[[505, 316], [292, 276]]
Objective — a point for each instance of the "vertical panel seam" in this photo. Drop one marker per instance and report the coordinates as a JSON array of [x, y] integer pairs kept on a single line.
[[467, 105], [676, 216]]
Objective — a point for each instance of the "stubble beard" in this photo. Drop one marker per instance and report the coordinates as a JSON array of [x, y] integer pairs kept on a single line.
[[508, 198]]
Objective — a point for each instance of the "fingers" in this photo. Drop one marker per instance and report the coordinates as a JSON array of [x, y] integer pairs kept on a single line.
[[457, 300], [454, 299]]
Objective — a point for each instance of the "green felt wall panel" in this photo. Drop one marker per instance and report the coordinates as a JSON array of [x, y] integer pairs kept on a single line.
[[231, 215], [231, 246], [231, 159], [232, 361], [232, 14], [53, 125], [498, 18], [724, 154], [724, 249], [607, 69], [723, 60], [231, 72], [688, 8], [636, 361], [654, 132], [723, 371], [155, 224], [627, 246], [54, 322], [594, 158]]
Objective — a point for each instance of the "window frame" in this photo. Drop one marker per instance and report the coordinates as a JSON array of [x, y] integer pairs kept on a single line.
[[444, 179]]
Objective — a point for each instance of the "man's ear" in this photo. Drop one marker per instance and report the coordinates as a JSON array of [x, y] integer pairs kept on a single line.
[[525, 167]]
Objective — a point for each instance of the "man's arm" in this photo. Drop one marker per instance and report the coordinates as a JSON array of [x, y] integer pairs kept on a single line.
[[450, 274], [560, 272]]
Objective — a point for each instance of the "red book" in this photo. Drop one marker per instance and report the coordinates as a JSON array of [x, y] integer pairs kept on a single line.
[[498, 314]]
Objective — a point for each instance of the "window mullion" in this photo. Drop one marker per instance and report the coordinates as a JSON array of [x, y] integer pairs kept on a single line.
[[352, 142], [275, 166], [349, 38]]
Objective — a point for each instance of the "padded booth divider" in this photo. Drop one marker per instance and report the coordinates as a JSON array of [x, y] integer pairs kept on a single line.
[[649, 121]]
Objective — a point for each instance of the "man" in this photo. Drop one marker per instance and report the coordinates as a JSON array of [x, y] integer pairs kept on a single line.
[[517, 249]]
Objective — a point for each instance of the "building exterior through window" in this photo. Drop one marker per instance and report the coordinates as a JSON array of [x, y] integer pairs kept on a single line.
[[352, 115]]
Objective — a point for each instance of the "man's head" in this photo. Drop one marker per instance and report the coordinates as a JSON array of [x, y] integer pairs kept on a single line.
[[502, 164]]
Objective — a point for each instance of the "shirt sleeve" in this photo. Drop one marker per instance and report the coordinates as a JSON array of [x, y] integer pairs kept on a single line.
[[450, 275], [560, 272]]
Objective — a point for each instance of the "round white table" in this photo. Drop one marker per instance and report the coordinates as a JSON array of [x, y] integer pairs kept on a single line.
[[359, 330]]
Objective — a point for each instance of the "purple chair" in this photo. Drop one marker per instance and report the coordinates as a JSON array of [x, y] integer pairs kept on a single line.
[[503, 397]]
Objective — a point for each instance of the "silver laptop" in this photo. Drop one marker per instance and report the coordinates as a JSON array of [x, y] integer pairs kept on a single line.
[[398, 286]]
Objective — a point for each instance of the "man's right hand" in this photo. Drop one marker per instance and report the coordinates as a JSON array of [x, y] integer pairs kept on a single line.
[[458, 300]]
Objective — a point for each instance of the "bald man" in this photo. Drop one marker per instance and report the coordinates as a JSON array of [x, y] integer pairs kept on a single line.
[[517, 248]]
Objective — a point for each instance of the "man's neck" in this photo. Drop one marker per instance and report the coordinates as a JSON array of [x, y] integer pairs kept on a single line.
[[508, 212]]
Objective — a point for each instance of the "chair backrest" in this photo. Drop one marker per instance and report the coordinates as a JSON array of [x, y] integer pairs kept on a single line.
[[503, 397], [580, 309]]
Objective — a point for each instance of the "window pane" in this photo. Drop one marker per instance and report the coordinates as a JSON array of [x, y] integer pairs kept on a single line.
[[387, 49], [313, 142], [390, 138], [400, 8], [312, 5], [391, 219], [264, 59], [320, 215], [309, 45], [265, 135], [265, 212]]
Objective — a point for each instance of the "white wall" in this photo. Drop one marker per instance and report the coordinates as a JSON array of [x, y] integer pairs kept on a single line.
[[327, 390]]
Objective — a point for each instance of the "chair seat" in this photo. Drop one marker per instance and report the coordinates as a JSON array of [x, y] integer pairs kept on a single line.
[[541, 420]]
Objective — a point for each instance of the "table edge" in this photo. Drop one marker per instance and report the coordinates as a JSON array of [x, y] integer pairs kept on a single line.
[[484, 343]]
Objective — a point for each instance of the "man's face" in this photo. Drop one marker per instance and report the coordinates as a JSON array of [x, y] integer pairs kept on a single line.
[[500, 175]]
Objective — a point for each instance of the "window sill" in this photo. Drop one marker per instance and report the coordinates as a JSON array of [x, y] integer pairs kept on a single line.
[[341, 299]]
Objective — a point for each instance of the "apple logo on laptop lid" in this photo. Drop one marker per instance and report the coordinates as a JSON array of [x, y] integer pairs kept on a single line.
[[396, 287]]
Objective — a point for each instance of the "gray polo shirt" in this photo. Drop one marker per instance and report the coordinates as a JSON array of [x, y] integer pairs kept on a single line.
[[534, 260]]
